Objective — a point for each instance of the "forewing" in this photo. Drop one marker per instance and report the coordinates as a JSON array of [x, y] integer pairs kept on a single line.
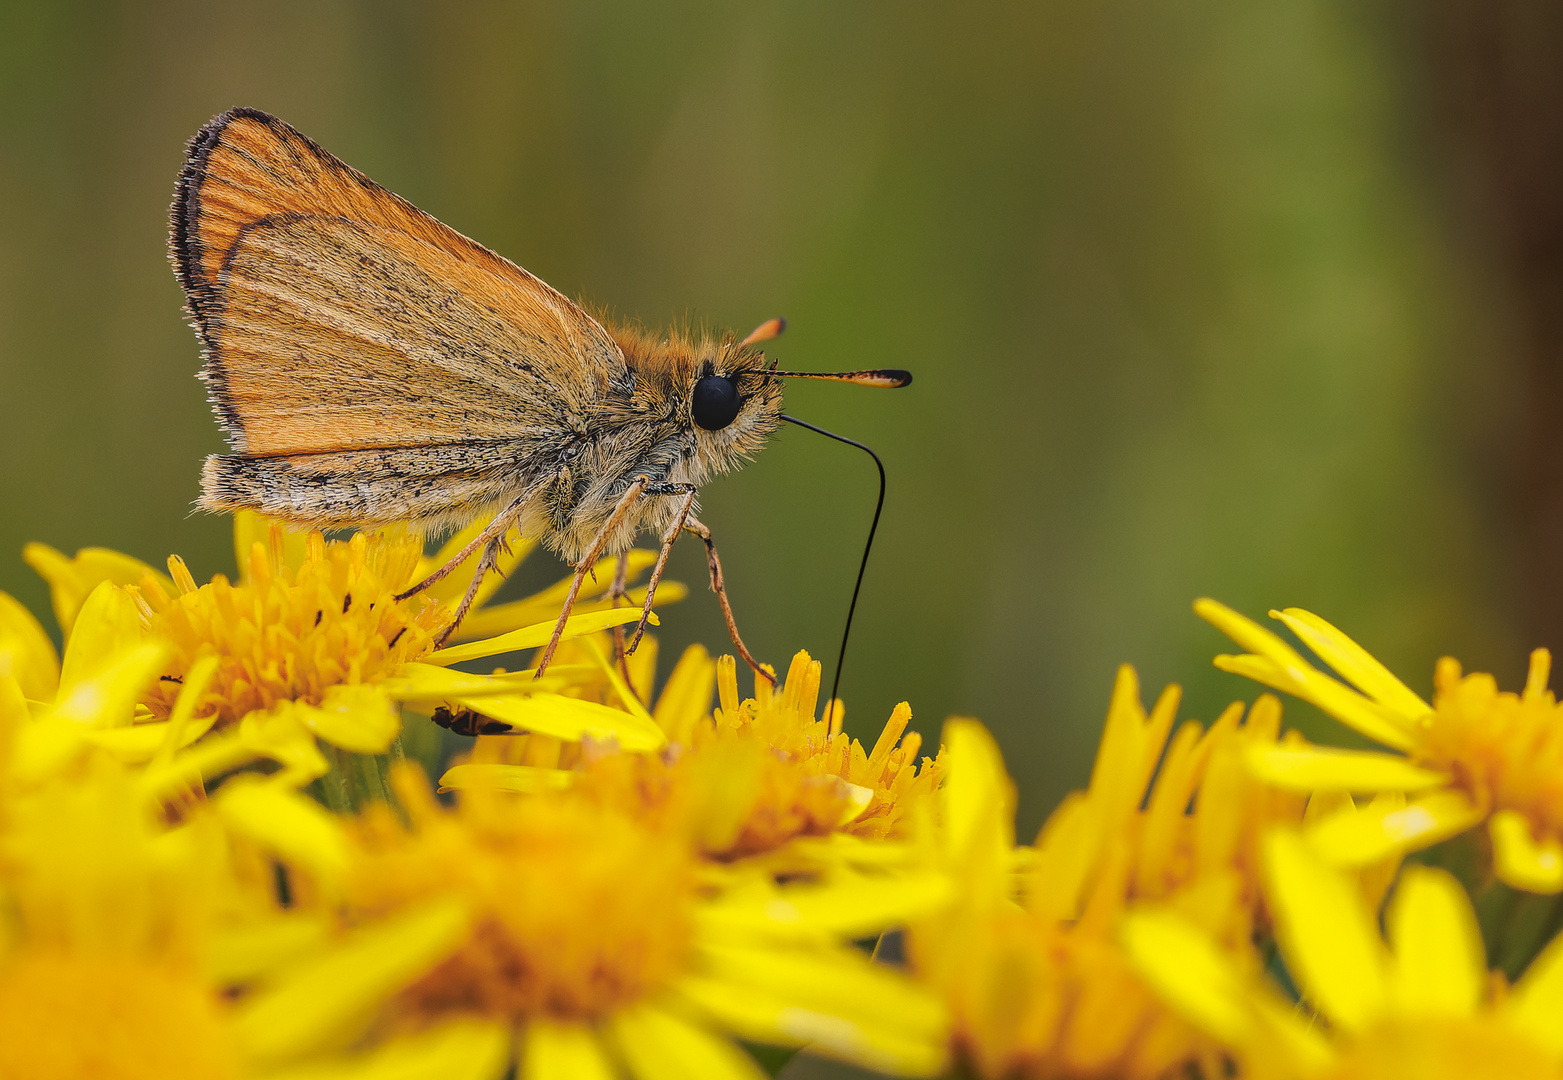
[[336, 314]]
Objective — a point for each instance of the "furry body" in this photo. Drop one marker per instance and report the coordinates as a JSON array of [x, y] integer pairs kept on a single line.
[[371, 365]]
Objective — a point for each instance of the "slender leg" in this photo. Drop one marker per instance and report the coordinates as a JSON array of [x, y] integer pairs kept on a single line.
[[662, 561], [496, 528], [719, 587], [632, 493], [489, 561]]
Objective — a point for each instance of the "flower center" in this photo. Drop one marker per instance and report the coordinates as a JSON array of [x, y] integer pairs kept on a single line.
[[1502, 747], [289, 635], [577, 909], [108, 1018]]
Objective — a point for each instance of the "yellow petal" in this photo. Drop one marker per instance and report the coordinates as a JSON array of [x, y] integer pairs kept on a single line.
[[1353, 837], [328, 998], [296, 827], [1315, 768], [426, 682], [847, 905], [1329, 939], [72, 580], [978, 795], [139, 743], [108, 625], [839, 1003], [460, 1049], [1190, 973], [1536, 1002], [1439, 964], [240, 953], [659, 1045], [538, 635], [358, 718], [571, 719], [686, 697], [26, 653], [551, 1050], [1522, 861], [1339, 700], [1355, 663], [526, 779]]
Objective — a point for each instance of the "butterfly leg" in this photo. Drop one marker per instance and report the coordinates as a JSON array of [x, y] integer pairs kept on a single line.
[[719, 587], [489, 561], [496, 529], [637, 487], [662, 557]]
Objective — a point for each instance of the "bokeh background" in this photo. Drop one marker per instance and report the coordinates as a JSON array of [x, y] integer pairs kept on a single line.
[[1203, 297]]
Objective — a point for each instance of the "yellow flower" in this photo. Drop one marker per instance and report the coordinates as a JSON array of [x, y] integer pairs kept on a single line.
[[749, 778], [1027, 956], [105, 934], [1419, 1006], [310, 643], [1475, 754], [588, 940]]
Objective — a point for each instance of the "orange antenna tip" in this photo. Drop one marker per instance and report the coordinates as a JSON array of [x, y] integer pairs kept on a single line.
[[770, 328], [886, 378]]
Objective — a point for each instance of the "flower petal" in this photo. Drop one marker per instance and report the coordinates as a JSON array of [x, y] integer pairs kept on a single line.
[[294, 826], [1522, 861], [1276, 664], [1323, 768], [1356, 664], [571, 719], [358, 718], [1353, 837], [847, 905], [1329, 939], [686, 697], [1537, 999], [526, 779], [659, 1045], [245, 952], [26, 653], [538, 635], [1189, 972], [1439, 964], [460, 1049], [72, 580], [329, 996], [108, 625], [560, 1051], [838, 1003]]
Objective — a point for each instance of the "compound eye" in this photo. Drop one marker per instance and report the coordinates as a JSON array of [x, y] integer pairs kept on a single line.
[[715, 402]]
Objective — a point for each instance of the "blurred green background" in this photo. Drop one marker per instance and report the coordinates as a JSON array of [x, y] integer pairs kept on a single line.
[[1202, 297]]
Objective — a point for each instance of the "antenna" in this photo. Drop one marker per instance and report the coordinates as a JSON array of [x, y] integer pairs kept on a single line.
[[878, 506]]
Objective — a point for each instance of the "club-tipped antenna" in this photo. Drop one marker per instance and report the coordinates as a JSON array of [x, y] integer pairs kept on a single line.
[[770, 328], [841, 657], [884, 378]]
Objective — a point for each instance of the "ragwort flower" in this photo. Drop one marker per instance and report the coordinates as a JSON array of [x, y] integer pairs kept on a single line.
[[1419, 1006], [1027, 956], [748, 778], [581, 940], [1475, 754]]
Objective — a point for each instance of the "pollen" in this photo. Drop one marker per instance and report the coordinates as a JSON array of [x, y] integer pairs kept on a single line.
[[289, 634], [108, 1018], [1505, 749], [577, 909]]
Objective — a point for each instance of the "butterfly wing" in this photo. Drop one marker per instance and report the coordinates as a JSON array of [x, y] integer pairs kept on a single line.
[[339, 317]]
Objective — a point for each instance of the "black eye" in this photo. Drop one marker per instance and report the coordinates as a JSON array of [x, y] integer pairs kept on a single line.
[[715, 402]]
